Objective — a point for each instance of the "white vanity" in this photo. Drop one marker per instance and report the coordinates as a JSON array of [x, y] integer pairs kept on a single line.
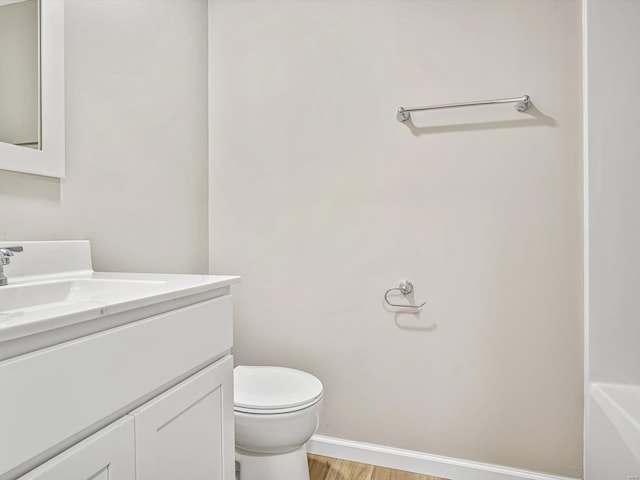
[[113, 376]]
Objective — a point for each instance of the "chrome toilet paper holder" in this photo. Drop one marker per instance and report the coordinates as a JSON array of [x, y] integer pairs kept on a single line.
[[406, 288]]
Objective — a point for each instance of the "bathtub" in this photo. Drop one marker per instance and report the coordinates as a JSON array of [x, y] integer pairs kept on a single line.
[[613, 432]]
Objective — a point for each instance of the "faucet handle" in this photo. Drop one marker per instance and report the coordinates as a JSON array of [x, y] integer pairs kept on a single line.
[[5, 254], [8, 251]]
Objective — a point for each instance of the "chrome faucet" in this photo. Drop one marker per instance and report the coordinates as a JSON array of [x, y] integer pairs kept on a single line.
[[5, 258]]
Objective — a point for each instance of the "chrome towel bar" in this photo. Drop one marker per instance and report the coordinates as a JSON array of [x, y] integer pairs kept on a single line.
[[521, 105]]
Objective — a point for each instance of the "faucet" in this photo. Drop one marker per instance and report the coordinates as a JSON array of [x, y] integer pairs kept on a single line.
[[5, 258]]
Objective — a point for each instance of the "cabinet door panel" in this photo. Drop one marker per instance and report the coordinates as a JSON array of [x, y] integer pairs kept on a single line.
[[106, 455], [187, 432]]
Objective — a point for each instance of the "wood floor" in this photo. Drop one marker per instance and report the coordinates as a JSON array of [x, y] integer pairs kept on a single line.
[[325, 468]]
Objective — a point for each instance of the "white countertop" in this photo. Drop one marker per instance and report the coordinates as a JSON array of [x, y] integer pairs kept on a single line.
[[32, 268], [151, 289]]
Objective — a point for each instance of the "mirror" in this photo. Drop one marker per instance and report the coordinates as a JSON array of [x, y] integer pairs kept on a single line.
[[20, 73], [32, 86]]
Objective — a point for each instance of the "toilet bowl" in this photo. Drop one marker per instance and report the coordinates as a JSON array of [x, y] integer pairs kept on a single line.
[[276, 411]]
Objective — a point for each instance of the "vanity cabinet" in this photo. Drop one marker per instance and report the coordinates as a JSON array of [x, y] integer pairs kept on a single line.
[[148, 400], [186, 432]]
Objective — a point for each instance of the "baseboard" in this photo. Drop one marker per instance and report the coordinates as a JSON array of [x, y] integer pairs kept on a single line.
[[417, 462]]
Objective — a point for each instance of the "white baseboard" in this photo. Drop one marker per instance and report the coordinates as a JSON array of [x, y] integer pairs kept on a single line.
[[417, 462]]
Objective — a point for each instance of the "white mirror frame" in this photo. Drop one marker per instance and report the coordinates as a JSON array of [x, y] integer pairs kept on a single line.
[[50, 159]]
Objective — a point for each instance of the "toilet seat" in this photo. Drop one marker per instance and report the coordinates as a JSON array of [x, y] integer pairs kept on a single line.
[[274, 390]]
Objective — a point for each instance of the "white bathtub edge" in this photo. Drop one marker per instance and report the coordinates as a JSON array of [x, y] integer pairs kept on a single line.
[[628, 426]]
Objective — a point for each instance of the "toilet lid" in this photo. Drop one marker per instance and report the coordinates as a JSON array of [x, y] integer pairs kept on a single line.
[[265, 389]]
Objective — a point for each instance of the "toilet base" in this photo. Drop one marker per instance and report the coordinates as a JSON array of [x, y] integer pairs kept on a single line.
[[278, 466]]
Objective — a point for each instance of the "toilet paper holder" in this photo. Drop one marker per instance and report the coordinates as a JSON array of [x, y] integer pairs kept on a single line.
[[406, 288]]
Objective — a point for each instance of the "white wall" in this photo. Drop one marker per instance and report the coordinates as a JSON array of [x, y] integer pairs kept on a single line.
[[321, 200], [136, 186], [613, 76]]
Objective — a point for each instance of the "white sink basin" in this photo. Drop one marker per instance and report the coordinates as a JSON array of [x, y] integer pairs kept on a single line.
[[43, 294], [53, 288]]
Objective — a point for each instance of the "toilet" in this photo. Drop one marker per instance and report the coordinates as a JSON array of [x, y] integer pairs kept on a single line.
[[276, 411]]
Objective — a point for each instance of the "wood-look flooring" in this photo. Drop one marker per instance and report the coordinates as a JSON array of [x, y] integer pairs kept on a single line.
[[325, 468]]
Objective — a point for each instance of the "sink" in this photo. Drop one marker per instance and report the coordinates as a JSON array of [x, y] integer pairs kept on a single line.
[[54, 295], [43, 294]]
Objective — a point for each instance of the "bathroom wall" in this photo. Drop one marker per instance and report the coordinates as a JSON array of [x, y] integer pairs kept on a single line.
[[613, 76], [136, 106], [321, 200]]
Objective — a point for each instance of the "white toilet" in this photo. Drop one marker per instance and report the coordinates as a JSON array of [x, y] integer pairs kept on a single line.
[[276, 413]]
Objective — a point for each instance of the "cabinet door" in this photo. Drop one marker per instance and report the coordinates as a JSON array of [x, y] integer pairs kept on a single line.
[[187, 432], [106, 455]]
